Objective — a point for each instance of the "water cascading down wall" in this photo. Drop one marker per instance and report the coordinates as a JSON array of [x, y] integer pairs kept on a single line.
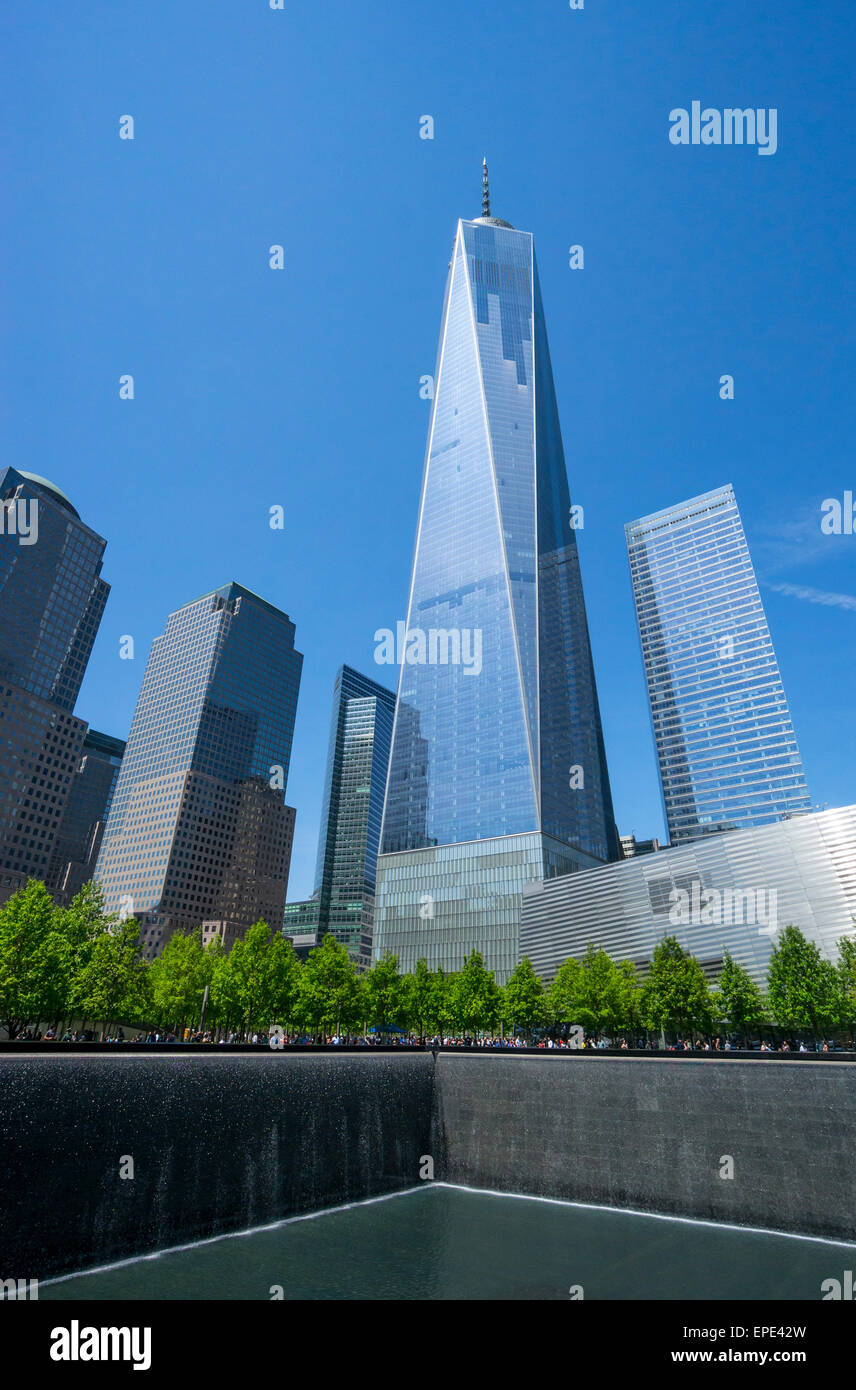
[[113, 1154]]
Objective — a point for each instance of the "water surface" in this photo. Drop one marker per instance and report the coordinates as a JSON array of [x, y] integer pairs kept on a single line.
[[439, 1242]]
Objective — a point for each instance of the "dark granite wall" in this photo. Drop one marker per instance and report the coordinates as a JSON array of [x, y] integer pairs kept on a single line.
[[219, 1143], [651, 1133], [227, 1142]]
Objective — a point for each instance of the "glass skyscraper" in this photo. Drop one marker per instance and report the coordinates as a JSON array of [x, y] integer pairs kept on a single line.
[[52, 600], [81, 829], [726, 747], [357, 762], [497, 772], [198, 831]]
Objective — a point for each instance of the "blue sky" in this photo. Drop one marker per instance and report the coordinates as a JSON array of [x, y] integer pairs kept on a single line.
[[301, 387]]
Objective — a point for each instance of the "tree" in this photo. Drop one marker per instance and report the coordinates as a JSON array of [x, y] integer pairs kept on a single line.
[[523, 1000], [475, 997], [605, 992], [563, 993], [420, 997], [225, 991], [847, 982], [178, 979], [329, 992], [252, 963], [675, 995], [113, 984], [385, 993], [284, 970], [630, 997], [738, 999], [803, 988], [35, 959], [83, 921]]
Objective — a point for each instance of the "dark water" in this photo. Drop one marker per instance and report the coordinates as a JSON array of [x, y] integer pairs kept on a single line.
[[450, 1243]]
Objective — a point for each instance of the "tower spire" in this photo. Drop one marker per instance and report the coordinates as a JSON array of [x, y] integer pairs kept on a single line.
[[485, 191]]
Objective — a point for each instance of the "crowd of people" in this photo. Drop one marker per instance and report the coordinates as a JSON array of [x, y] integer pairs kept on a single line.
[[398, 1039]]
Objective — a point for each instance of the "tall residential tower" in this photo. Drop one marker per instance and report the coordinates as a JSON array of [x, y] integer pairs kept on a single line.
[[726, 747], [497, 772]]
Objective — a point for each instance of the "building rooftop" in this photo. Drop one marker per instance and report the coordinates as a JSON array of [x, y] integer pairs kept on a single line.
[[55, 492]]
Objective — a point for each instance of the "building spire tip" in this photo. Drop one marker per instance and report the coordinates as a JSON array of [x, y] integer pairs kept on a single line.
[[485, 190]]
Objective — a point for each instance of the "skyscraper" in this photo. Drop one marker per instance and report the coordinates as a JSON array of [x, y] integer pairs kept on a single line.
[[198, 831], [81, 829], [726, 747], [52, 599], [497, 772], [346, 869]]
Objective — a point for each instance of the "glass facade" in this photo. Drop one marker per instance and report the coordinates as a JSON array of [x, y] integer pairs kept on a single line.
[[51, 591], [52, 600], [498, 729], [78, 840], [198, 829], [342, 904], [726, 747]]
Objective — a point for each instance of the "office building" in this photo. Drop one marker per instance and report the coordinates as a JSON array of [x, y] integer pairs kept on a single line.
[[497, 771], [726, 747], [198, 830], [342, 904], [631, 847], [52, 599], [81, 829]]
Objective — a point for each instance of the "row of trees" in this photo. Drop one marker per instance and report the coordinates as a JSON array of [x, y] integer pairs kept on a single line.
[[59, 964]]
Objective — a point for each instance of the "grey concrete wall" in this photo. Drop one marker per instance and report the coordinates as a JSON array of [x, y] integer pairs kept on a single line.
[[651, 1133], [219, 1143]]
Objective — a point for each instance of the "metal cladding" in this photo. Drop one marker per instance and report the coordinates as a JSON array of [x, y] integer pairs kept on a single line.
[[729, 892]]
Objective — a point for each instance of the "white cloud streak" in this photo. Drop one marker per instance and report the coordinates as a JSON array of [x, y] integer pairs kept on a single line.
[[846, 601]]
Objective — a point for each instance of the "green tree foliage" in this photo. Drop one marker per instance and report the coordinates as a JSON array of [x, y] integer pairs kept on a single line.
[[847, 982], [178, 978], [35, 960], [675, 995], [606, 993], [738, 1000], [113, 986], [77, 961], [225, 994], [82, 922], [423, 999], [284, 982], [524, 1003], [252, 961], [475, 1000], [803, 988], [600, 994], [385, 994], [330, 997], [563, 995], [630, 996]]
